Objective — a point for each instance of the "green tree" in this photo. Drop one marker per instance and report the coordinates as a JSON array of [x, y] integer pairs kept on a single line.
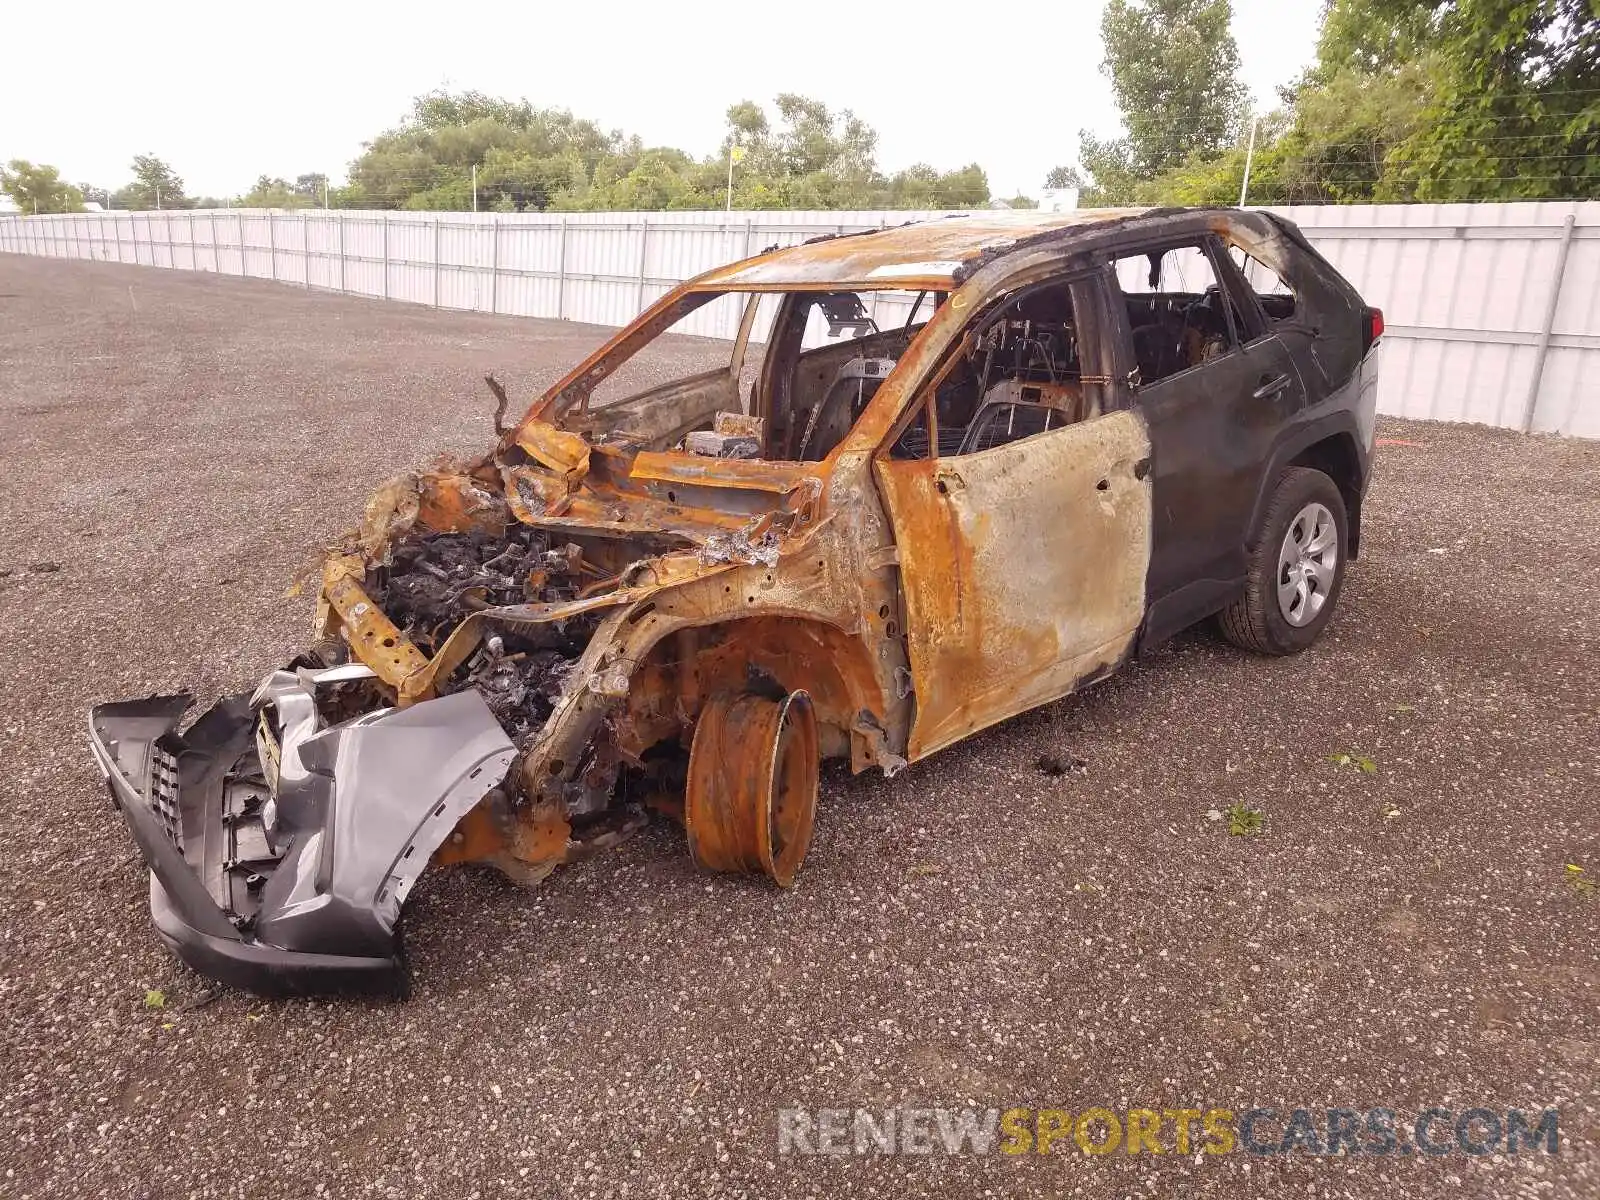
[[313, 186], [427, 160], [802, 155], [154, 186], [1173, 66], [1515, 107], [93, 193], [1370, 36], [1064, 177], [1460, 100], [273, 192], [38, 189]]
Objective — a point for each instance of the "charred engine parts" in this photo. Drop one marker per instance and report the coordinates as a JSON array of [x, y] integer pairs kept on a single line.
[[435, 581]]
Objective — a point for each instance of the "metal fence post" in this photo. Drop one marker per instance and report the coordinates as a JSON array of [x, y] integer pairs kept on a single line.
[[494, 264], [385, 255], [341, 250], [194, 255], [305, 248], [211, 238], [272, 242], [116, 230], [436, 262], [561, 273], [241, 244], [1542, 349], [644, 250]]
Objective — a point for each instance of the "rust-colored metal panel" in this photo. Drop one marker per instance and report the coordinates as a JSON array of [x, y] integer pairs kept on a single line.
[[1023, 570], [924, 255]]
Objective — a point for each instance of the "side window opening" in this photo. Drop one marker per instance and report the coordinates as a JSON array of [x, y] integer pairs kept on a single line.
[[1277, 301], [1017, 373], [1179, 315]]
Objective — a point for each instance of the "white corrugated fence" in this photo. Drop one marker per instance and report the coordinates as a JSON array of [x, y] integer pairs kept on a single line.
[[1492, 310]]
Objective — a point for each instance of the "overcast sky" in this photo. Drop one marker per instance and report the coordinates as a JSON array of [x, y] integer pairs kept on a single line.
[[225, 93]]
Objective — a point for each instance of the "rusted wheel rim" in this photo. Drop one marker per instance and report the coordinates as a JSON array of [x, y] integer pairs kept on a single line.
[[752, 791]]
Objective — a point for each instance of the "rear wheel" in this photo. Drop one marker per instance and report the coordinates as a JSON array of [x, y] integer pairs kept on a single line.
[[1296, 567]]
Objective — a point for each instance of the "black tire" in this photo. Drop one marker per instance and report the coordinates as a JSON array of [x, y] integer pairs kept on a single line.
[[1255, 621]]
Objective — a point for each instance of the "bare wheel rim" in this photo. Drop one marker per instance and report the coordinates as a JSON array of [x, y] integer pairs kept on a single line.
[[1306, 564]]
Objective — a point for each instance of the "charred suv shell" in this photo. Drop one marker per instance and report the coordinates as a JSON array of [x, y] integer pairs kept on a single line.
[[980, 464]]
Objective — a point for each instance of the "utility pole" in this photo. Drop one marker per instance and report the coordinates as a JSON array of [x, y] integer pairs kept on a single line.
[[1249, 157], [735, 154], [158, 197], [325, 204], [474, 187]]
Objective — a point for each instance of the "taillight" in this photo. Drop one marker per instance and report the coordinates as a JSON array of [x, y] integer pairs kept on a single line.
[[1374, 325]]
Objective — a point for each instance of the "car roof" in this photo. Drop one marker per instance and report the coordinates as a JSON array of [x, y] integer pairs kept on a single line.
[[922, 254]]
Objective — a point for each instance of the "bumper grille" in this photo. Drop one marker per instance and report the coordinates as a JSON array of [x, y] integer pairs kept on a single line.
[[164, 794]]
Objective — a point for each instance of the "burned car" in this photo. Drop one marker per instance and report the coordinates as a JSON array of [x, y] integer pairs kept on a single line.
[[930, 477]]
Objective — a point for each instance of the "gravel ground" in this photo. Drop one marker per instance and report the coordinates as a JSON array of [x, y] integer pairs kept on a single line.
[[973, 932]]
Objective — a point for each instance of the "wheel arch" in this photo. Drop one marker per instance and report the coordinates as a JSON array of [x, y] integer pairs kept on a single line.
[[796, 652], [1333, 447]]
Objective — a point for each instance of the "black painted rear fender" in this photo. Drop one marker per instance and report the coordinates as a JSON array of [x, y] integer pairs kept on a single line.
[[1339, 427]]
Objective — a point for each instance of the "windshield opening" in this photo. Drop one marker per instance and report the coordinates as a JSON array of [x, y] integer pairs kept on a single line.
[[781, 376]]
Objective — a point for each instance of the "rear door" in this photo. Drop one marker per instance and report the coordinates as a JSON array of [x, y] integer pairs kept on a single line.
[[1214, 403]]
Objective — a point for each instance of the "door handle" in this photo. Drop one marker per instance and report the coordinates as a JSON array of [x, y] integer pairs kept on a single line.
[[1271, 386]]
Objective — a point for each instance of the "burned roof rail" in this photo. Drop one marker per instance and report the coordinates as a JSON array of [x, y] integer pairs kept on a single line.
[[849, 233]]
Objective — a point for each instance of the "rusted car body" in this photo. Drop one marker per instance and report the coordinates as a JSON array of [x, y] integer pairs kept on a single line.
[[875, 542]]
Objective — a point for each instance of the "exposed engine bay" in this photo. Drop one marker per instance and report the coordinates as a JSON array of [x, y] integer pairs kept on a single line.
[[517, 657], [435, 579]]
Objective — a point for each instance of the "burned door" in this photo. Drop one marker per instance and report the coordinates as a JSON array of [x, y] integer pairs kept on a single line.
[[1022, 569], [1021, 514]]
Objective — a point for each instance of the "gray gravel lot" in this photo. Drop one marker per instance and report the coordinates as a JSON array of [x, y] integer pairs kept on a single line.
[[972, 932]]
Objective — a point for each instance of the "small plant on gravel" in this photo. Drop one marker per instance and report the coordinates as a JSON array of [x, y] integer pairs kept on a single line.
[[1243, 821], [1360, 761], [1581, 883], [155, 998]]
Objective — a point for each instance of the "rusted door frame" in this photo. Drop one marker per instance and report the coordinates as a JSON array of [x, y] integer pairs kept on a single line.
[[1021, 576]]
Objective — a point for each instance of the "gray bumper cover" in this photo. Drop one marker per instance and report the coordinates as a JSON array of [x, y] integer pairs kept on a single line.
[[297, 887]]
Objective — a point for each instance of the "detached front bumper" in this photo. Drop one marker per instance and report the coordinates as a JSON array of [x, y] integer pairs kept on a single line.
[[292, 886]]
